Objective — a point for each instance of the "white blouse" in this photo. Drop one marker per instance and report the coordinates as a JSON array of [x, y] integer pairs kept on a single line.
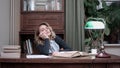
[[54, 47]]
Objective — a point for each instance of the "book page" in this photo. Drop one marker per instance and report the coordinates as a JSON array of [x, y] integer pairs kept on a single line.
[[37, 56]]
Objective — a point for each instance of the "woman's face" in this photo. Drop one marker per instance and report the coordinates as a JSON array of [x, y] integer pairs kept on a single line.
[[45, 30]]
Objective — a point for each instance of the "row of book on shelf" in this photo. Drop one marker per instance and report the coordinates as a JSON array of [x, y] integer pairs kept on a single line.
[[41, 5], [28, 47]]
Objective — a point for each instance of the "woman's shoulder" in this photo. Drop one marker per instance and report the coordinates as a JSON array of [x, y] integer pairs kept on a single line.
[[58, 37]]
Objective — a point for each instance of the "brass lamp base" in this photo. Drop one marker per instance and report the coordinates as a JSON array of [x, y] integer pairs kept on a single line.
[[103, 54]]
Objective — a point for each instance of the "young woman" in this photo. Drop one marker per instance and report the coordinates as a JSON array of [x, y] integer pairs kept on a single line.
[[47, 42]]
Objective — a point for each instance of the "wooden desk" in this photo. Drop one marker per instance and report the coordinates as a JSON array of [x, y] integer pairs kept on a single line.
[[80, 62]]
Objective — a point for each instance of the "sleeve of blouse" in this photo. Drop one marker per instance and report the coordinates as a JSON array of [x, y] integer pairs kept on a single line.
[[44, 49], [62, 44]]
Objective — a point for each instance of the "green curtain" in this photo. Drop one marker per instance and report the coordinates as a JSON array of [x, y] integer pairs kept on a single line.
[[75, 24]]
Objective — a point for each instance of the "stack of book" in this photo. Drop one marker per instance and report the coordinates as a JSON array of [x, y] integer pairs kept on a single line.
[[28, 47], [11, 51]]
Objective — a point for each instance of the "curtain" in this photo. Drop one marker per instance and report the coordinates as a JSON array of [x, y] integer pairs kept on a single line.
[[75, 24]]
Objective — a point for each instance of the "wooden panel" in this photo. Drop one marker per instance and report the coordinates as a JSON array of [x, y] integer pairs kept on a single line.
[[42, 65], [99, 65], [114, 65], [31, 20]]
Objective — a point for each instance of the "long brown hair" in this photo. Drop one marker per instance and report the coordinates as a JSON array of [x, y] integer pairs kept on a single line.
[[39, 40]]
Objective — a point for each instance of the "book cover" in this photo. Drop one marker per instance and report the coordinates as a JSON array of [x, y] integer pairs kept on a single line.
[[12, 51], [28, 49], [10, 55], [11, 47], [30, 46]]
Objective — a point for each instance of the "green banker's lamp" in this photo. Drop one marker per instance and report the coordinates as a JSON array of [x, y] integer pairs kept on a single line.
[[97, 25]]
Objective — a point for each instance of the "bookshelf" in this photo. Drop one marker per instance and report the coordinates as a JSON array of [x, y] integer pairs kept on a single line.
[[33, 12]]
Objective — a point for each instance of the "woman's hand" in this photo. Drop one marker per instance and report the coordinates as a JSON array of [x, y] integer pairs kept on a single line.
[[55, 53], [43, 35]]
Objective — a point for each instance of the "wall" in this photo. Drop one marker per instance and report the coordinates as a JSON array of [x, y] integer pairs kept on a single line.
[[4, 21], [112, 49], [17, 21], [9, 22], [14, 21]]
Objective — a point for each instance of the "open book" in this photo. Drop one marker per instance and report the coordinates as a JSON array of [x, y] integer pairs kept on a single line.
[[71, 54]]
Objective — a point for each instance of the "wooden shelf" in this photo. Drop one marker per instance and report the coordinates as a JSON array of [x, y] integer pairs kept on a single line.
[[42, 11], [31, 19]]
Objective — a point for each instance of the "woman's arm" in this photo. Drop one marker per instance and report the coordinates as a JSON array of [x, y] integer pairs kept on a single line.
[[62, 44], [44, 49]]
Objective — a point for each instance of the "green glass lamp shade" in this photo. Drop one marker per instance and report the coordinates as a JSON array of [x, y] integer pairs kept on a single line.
[[94, 25]]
